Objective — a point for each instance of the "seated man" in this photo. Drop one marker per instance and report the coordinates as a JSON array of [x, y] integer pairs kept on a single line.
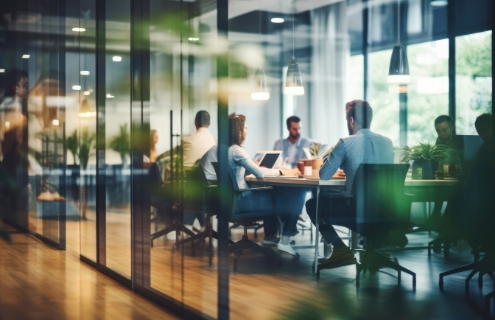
[[362, 146], [483, 126]]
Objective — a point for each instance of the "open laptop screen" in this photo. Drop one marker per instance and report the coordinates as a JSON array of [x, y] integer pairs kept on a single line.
[[269, 160]]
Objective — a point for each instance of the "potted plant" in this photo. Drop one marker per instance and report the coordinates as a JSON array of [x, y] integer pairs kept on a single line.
[[121, 143], [85, 147], [118, 184], [317, 161], [425, 157]]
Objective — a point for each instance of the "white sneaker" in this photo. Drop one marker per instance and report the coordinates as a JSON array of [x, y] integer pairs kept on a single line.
[[270, 243], [171, 235], [286, 248]]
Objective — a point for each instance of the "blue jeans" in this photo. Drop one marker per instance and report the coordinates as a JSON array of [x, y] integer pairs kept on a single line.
[[290, 203]]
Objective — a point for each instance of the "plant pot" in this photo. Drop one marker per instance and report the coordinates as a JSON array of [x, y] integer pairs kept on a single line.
[[429, 167], [316, 165]]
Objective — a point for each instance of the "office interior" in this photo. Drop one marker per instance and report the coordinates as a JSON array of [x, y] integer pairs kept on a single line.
[[113, 82]]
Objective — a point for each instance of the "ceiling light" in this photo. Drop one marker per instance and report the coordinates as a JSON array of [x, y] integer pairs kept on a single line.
[[193, 39], [438, 3], [78, 29], [77, 88], [293, 81], [7, 125], [277, 20], [117, 58], [55, 122], [86, 93], [25, 56], [261, 92], [84, 73], [85, 112], [109, 96], [398, 71], [2, 70]]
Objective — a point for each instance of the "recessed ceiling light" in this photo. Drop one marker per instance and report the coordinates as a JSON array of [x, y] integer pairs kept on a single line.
[[78, 29], [86, 93], [109, 96], [277, 20], [84, 73], [193, 39], [76, 88], [117, 58], [439, 3], [2, 70], [25, 56]]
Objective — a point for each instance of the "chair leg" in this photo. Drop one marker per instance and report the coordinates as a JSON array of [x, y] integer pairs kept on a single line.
[[467, 267], [489, 296], [471, 275], [386, 262], [160, 233]]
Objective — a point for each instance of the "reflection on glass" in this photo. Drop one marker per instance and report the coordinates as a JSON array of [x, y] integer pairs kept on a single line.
[[117, 136], [473, 79]]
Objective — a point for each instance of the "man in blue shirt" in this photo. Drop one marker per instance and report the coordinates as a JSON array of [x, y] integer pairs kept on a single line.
[[362, 146], [292, 146]]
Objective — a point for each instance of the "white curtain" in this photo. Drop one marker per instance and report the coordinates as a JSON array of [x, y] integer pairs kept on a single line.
[[330, 53]]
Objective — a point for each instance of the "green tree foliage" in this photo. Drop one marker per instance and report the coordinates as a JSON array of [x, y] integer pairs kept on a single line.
[[73, 145], [87, 140]]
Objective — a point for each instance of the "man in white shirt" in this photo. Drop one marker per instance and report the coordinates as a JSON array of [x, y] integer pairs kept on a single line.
[[196, 145]]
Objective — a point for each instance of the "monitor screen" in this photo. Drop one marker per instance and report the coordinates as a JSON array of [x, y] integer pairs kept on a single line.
[[269, 160]]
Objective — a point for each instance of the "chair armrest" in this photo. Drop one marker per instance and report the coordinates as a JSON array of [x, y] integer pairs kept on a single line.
[[255, 189], [342, 195]]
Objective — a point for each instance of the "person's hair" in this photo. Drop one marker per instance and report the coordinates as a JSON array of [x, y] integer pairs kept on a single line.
[[13, 77], [445, 118], [289, 120], [152, 134], [483, 122], [361, 112], [236, 129], [202, 118]]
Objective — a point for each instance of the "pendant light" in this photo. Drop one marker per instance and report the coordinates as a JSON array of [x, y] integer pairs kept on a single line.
[[438, 3], [293, 82], [398, 72], [261, 91]]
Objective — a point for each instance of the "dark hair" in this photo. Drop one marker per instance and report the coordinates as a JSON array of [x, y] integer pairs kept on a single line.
[[13, 77], [445, 118], [202, 118], [295, 119], [483, 122], [361, 112], [236, 128]]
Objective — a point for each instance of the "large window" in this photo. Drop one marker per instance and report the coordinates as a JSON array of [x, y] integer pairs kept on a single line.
[[428, 92], [473, 79]]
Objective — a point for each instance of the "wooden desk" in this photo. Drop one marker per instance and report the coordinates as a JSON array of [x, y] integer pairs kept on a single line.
[[426, 190]]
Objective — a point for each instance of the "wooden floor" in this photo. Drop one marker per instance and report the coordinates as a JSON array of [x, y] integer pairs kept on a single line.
[[260, 289], [38, 282]]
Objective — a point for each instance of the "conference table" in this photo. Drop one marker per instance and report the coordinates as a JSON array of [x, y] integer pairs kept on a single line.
[[423, 190]]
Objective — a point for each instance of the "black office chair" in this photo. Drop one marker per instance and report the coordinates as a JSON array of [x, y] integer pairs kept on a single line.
[[247, 213], [476, 222], [162, 198], [201, 197], [380, 205]]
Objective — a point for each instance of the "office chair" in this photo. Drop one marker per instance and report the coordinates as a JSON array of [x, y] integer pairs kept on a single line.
[[161, 197], [380, 206], [476, 222], [247, 206], [200, 197]]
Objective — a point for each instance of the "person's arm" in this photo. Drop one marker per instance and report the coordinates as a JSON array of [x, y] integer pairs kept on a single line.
[[242, 159], [278, 145], [335, 160]]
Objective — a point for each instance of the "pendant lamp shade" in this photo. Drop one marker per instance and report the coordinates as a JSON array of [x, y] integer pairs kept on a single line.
[[293, 81], [85, 112], [261, 91], [398, 72]]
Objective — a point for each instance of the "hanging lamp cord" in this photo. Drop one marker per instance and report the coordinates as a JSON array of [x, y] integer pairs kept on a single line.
[[398, 22], [293, 18]]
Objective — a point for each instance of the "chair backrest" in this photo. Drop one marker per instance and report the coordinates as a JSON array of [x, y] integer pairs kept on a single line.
[[247, 205], [378, 191], [475, 206]]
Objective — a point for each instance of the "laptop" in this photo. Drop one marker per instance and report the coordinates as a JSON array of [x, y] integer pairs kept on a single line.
[[267, 159]]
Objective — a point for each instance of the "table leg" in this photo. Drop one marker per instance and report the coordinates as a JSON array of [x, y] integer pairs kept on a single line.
[[317, 235]]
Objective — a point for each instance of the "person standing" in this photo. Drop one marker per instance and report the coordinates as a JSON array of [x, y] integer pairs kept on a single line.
[[293, 146]]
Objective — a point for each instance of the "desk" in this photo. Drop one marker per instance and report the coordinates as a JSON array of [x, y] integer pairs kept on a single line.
[[424, 189]]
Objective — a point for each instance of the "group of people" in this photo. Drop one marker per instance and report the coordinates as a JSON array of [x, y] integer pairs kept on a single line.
[[361, 146]]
